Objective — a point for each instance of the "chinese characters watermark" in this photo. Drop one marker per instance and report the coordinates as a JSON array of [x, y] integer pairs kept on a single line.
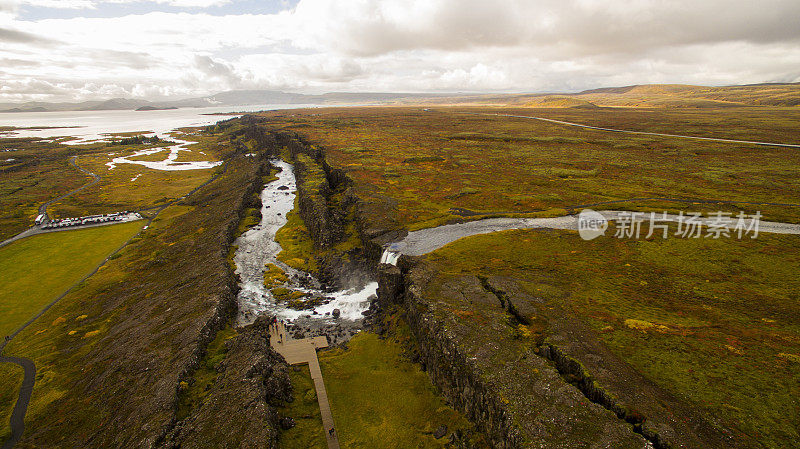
[[635, 225]]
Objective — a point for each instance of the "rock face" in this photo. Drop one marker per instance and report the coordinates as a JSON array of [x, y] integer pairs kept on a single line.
[[529, 374], [390, 286], [238, 410], [515, 397]]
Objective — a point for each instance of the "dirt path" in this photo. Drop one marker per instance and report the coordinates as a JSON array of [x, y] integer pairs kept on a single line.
[[646, 133]]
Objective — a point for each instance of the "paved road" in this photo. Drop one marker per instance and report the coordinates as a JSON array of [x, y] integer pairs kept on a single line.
[[25, 392], [424, 241], [305, 351], [646, 133], [37, 230]]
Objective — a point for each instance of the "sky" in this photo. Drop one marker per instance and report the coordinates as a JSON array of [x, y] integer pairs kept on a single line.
[[75, 50]]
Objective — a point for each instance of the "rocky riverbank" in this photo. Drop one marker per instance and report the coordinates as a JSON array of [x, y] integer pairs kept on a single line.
[[333, 299]]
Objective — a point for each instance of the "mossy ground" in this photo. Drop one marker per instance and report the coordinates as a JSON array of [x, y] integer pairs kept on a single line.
[[709, 320], [131, 187], [274, 276], [308, 432], [380, 399], [193, 390], [430, 162], [67, 320], [41, 171], [172, 269], [297, 246], [714, 322]]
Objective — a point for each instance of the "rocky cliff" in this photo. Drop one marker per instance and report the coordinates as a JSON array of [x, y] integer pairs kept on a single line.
[[239, 409], [532, 375], [329, 206], [516, 397]]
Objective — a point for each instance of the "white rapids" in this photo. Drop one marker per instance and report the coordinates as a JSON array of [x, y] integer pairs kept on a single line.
[[257, 247]]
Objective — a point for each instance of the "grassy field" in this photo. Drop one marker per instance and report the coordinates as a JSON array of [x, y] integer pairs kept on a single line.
[[413, 166], [12, 376], [380, 399], [297, 246], [72, 319], [680, 97], [35, 270], [58, 260], [308, 432], [715, 322], [39, 172], [130, 186], [128, 313]]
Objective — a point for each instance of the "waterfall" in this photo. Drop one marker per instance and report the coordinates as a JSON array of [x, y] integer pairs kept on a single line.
[[389, 256]]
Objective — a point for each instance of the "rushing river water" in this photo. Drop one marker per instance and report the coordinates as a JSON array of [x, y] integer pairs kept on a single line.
[[257, 247]]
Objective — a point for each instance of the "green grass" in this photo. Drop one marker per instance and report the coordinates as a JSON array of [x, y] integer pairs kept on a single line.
[[297, 246], [35, 270], [419, 165], [715, 322], [8, 396], [128, 307], [380, 399], [194, 390], [308, 432], [42, 172]]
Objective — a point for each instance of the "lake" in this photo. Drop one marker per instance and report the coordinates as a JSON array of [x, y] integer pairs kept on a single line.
[[94, 125]]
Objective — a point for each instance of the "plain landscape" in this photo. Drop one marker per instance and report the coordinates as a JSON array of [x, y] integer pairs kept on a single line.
[[392, 224], [513, 338]]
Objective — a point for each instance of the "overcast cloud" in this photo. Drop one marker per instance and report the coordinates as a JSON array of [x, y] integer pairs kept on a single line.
[[63, 50]]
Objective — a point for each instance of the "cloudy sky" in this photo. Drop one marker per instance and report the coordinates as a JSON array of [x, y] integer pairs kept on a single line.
[[61, 50]]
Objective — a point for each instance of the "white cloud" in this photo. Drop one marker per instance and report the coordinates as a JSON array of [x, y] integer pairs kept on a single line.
[[400, 45], [59, 4], [92, 4]]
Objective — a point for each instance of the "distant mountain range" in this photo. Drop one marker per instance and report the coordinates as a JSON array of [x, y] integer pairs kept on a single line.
[[648, 95], [230, 98], [643, 96]]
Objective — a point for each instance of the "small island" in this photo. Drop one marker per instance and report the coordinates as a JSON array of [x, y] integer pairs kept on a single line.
[[36, 109], [155, 108]]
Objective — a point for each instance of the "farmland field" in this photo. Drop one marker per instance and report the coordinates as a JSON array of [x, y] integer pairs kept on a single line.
[[37, 269]]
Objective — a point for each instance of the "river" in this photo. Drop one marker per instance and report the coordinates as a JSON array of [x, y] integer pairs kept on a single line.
[[257, 248]]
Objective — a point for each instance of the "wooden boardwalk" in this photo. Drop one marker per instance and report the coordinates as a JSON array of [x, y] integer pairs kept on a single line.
[[297, 352]]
